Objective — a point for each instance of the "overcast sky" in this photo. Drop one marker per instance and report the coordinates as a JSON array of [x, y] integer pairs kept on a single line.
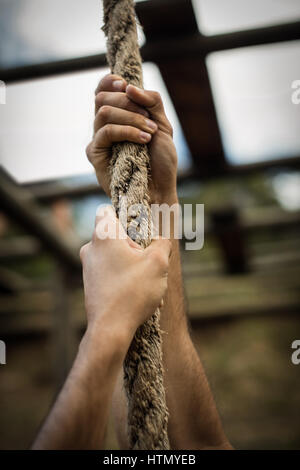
[[252, 88], [46, 124], [41, 30], [221, 16]]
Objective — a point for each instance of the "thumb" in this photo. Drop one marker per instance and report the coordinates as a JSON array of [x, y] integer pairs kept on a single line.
[[153, 102], [158, 253]]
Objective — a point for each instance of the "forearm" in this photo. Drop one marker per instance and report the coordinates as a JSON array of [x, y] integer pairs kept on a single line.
[[195, 423], [79, 417]]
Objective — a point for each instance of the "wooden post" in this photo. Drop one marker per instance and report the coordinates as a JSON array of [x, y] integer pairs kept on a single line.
[[229, 234]]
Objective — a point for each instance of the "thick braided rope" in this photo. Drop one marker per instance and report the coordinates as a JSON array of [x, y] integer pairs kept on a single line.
[[130, 166]]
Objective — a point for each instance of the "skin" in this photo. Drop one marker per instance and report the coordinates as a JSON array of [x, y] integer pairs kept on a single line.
[[112, 269], [127, 109], [130, 282], [120, 116]]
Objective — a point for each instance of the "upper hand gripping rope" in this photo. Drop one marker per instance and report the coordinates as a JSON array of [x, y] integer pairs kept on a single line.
[[130, 167]]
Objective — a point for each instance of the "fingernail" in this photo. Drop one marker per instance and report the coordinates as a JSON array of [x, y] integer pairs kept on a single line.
[[118, 85], [133, 86], [145, 137], [150, 124]]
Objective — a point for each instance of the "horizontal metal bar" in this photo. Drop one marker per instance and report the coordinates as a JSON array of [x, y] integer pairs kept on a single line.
[[165, 48], [47, 193], [47, 69]]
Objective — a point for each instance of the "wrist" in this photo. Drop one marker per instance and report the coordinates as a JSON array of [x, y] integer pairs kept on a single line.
[[98, 362], [170, 197], [167, 217], [105, 335]]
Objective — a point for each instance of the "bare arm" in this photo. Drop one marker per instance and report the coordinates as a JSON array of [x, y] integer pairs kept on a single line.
[[194, 422], [79, 416], [113, 270], [121, 114]]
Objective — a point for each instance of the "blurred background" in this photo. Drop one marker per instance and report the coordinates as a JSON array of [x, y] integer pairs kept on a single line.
[[225, 70]]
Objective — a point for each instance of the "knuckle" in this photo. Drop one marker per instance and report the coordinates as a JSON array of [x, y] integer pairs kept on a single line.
[[140, 120], [107, 130], [127, 133], [89, 152], [127, 104], [95, 235], [156, 96], [93, 155], [104, 112], [169, 129], [167, 126], [82, 252], [159, 258], [100, 97]]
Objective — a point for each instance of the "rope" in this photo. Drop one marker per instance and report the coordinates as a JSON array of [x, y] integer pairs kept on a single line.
[[130, 171]]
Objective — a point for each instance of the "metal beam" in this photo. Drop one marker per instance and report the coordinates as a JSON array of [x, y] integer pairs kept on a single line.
[[175, 44], [165, 19], [19, 247], [187, 80], [48, 69], [47, 193], [189, 88], [198, 46], [285, 163], [191, 45], [50, 192]]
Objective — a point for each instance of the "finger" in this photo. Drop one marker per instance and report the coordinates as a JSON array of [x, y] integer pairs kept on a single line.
[[111, 115], [118, 100], [153, 102], [111, 82], [99, 158], [111, 133]]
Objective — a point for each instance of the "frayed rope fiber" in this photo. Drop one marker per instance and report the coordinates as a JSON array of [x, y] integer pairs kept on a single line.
[[130, 172]]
